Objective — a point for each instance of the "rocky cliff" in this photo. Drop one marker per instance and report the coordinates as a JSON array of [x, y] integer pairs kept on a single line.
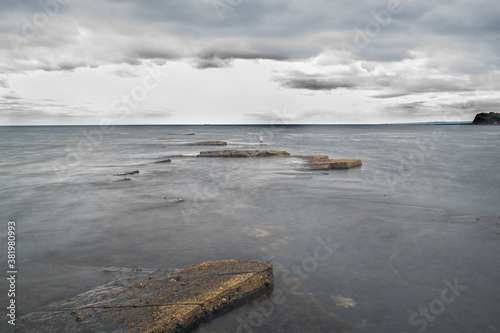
[[491, 118]]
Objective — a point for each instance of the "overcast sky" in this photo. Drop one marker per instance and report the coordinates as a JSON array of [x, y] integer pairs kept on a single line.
[[247, 61]]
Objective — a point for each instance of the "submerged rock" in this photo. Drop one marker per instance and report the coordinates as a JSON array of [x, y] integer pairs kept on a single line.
[[176, 303], [209, 143], [127, 173], [179, 156], [343, 301], [243, 153], [124, 180], [164, 161], [173, 200], [334, 164]]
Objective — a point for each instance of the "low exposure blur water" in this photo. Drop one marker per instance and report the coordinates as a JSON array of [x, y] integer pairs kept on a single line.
[[373, 246]]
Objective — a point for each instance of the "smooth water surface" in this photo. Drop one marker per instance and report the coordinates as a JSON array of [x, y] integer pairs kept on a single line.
[[375, 246]]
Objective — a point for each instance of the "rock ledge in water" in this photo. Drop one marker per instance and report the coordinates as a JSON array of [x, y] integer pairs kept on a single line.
[[176, 303], [312, 157], [243, 153], [334, 164]]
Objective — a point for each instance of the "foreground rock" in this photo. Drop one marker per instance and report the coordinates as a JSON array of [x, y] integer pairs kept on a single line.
[[209, 143], [176, 303], [491, 118], [333, 164], [243, 153]]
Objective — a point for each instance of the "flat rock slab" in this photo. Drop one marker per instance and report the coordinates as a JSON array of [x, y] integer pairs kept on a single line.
[[176, 303], [312, 157], [334, 164], [243, 153]]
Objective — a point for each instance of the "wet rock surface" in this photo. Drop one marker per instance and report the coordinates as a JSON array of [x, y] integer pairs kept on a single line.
[[312, 157], [136, 172], [175, 303], [314, 162], [328, 164], [243, 153]]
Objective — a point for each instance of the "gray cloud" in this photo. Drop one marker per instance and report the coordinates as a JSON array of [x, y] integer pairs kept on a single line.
[[4, 83], [415, 110], [121, 31], [275, 117], [272, 117], [464, 108], [214, 62], [390, 95], [314, 83], [156, 113]]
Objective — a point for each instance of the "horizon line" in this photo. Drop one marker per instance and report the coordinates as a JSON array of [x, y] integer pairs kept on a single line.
[[238, 124]]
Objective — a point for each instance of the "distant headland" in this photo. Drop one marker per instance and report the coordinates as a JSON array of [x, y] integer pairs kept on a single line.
[[491, 118]]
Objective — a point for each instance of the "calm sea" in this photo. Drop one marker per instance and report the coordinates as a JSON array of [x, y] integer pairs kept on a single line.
[[408, 242]]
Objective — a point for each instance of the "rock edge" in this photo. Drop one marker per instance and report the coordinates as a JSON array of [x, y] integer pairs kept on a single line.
[[176, 303], [243, 153]]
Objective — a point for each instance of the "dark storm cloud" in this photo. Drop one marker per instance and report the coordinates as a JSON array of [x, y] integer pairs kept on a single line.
[[214, 62], [235, 54], [268, 30], [148, 52], [213, 57], [314, 83], [367, 78]]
